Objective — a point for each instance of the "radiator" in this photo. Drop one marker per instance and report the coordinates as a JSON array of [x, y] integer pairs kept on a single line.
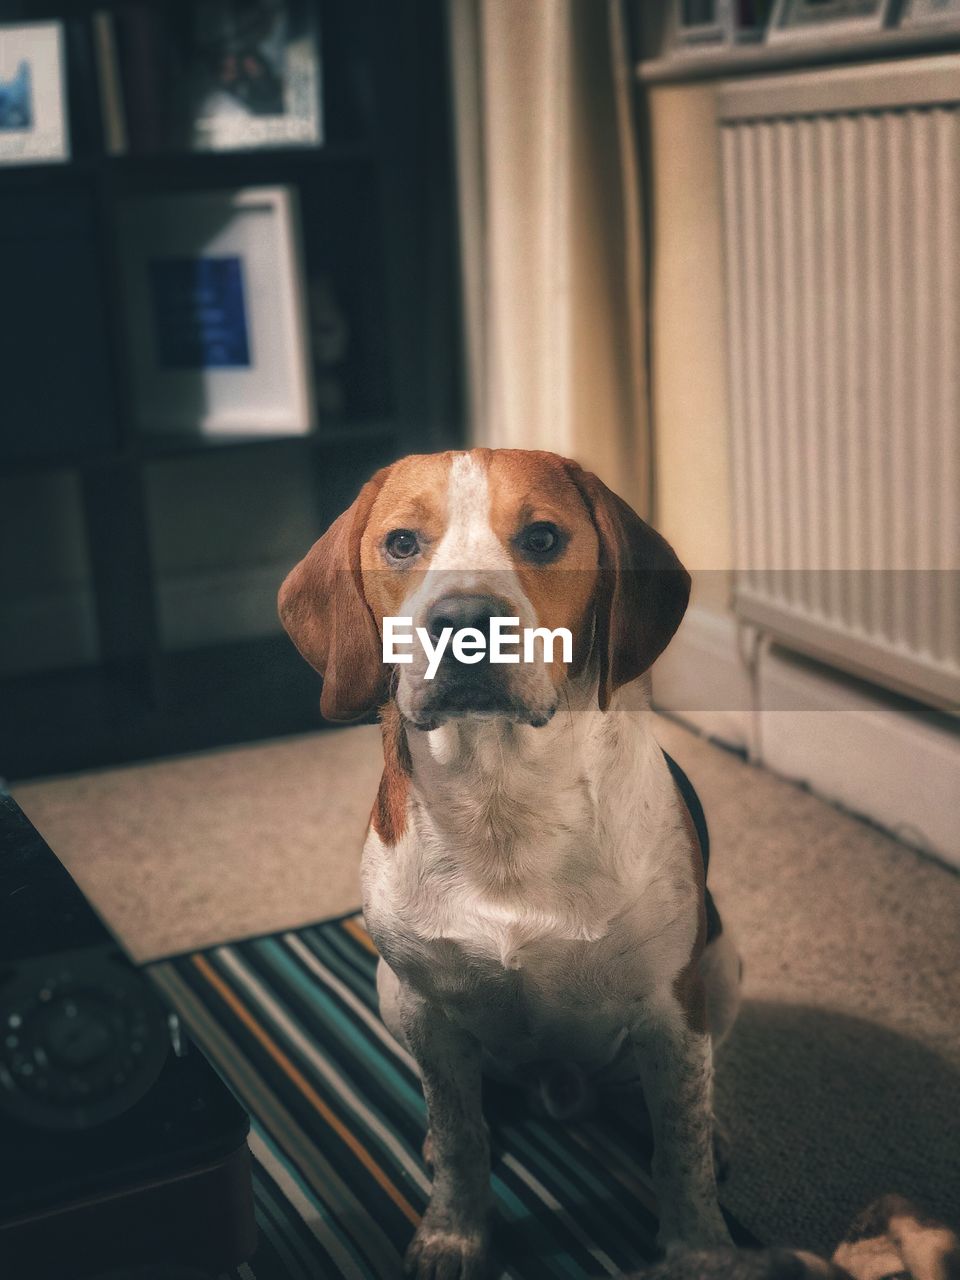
[[842, 247]]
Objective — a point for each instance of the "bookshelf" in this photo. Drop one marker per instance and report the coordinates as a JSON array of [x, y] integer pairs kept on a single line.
[[377, 211]]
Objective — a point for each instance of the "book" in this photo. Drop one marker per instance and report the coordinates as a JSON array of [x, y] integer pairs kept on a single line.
[[112, 111]]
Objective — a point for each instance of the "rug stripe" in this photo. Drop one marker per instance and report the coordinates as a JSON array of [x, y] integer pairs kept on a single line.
[[561, 1183], [345, 1176], [282, 1239], [577, 1160], [612, 1159], [335, 1247], [573, 1227], [312, 961], [347, 1040], [340, 1204], [292, 1022], [563, 1178], [359, 933], [535, 1185], [366, 1023], [532, 1184], [321, 1006], [306, 1049], [356, 960], [307, 1089]]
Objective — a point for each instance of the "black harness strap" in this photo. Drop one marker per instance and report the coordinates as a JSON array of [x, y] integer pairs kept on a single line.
[[695, 809]]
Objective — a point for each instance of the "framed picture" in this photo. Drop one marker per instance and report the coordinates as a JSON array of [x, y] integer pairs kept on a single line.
[[699, 25], [930, 13], [248, 75], [826, 19], [750, 19], [216, 313], [33, 114]]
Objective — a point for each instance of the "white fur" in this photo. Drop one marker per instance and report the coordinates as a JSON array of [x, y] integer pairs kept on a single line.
[[470, 559], [541, 869]]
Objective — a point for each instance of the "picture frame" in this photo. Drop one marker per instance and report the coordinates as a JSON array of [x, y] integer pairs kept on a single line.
[[751, 19], [214, 292], [34, 127], [819, 20], [930, 13], [248, 75], [697, 26]]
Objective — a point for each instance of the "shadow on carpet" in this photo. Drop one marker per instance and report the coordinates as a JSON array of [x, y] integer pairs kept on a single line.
[[831, 1111], [291, 1023]]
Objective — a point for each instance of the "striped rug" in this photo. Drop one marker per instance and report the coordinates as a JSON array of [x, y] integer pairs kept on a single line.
[[291, 1023]]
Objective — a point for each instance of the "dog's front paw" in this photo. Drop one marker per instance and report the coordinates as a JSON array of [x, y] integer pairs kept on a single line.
[[442, 1253]]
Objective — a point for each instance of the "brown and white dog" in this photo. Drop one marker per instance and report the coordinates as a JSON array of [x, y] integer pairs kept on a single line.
[[531, 875]]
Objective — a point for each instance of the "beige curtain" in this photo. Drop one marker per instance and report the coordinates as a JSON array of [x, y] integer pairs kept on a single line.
[[551, 232]]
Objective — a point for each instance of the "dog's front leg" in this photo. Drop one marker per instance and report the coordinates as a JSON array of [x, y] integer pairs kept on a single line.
[[452, 1240], [676, 1067]]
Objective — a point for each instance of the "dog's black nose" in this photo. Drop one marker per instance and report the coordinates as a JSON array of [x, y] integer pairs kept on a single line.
[[459, 611]]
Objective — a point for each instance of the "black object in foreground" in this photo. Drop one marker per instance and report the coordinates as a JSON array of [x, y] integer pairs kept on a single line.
[[121, 1144]]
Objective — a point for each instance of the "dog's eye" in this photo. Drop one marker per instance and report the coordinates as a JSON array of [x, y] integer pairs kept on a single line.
[[401, 544], [541, 542]]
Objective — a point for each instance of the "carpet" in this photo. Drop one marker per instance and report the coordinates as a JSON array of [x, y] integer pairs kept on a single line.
[[842, 1076], [186, 853], [291, 1023]]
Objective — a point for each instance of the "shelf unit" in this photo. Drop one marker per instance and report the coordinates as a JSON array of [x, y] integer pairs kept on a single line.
[[377, 205]]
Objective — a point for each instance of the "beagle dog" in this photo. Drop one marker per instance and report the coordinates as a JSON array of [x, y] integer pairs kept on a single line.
[[532, 875]]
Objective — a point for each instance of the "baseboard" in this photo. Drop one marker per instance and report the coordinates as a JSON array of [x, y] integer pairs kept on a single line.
[[890, 762], [885, 759], [702, 680]]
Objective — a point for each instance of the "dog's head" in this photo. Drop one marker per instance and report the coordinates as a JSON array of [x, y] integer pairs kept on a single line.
[[452, 540]]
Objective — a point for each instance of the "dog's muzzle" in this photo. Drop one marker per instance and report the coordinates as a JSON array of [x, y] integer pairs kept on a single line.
[[479, 688]]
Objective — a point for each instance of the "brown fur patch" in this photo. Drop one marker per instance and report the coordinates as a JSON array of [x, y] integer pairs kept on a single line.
[[323, 609], [413, 496], [529, 486], [642, 588], [389, 817]]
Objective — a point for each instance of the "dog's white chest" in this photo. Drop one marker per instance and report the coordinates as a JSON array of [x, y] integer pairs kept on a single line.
[[514, 932], [557, 982], [542, 927]]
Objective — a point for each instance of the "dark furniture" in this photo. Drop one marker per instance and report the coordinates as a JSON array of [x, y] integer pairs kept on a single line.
[[121, 1144], [378, 216]]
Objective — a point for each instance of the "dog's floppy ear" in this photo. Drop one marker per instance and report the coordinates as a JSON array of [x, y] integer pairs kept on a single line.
[[642, 592], [325, 613]]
